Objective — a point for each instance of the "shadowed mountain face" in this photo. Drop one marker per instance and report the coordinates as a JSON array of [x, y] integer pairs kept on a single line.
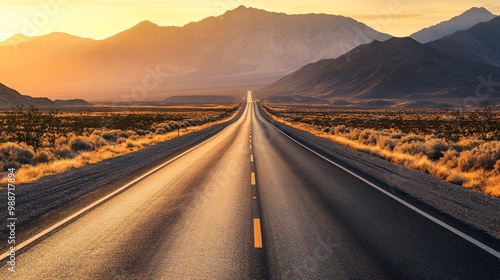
[[243, 46], [10, 98], [480, 43], [397, 69], [461, 22]]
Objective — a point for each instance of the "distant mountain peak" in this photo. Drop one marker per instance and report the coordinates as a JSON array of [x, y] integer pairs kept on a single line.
[[463, 21], [244, 10], [477, 10], [145, 24]]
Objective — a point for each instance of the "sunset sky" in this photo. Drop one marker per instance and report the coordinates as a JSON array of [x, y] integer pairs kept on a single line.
[[99, 19]]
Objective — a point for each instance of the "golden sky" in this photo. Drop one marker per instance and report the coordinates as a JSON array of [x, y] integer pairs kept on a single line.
[[99, 19]]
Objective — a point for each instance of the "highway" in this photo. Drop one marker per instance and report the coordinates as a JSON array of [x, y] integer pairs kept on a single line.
[[250, 203]]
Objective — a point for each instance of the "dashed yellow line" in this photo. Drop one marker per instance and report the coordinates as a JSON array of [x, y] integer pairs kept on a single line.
[[252, 178], [250, 147], [254, 197], [257, 234], [251, 158]]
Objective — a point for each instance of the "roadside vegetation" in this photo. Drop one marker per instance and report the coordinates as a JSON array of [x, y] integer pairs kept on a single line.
[[40, 143], [459, 146]]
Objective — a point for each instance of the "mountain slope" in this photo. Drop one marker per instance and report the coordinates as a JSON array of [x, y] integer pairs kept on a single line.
[[461, 22], [477, 43], [397, 69], [14, 40], [244, 46], [40, 49], [11, 98]]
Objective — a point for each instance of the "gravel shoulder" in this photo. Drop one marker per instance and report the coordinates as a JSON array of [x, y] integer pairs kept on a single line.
[[473, 212], [50, 199]]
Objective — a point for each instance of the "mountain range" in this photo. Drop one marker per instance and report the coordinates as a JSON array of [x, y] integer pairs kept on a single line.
[[399, 71], [480, 43], [463, 21], [347, 63], [244, 46], [10, 98]]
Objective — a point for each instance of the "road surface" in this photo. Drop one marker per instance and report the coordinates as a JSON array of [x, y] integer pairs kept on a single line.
[[251, 203]]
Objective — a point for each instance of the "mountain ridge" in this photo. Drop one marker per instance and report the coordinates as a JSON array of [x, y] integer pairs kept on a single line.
[[399, 69], [475, 43], [463, 21], [242, 46], [11, 98]]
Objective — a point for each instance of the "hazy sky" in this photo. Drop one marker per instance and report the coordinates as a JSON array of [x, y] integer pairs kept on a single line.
[[99, 19]]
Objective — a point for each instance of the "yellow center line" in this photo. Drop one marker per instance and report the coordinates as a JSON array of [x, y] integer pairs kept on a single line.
[[250, 146], [251, 158], [254, 197], [257, 234], [252, 178]]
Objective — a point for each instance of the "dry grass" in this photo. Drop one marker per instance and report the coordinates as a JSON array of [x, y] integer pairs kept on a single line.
[[76, 151], [471, 163]]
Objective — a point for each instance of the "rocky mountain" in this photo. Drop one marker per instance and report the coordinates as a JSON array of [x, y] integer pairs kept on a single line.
[[14, 40], [461, 22], [10, 98], [41, 49], [477, 43], [395, 71], [244, 46]]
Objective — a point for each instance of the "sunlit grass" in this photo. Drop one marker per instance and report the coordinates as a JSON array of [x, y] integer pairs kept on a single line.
[[471, 163], [76, 151]]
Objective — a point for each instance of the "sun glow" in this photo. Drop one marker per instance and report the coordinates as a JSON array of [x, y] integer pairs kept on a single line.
[[101, 19]]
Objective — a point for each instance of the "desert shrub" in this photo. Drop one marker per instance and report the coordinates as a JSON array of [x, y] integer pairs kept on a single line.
[[16, 153], [79, 144], [483, 157], [110, 136], [354, 134], [410, 138], [63, 141], [467, 144], [11, 164], [456, 178], [121, 140], [412, 148], [129, 133], [96, 141], [397, 135], [24, 156], [367, 137], [341, 129], [160, 130], [142, 132], [386, 142], [130, 144], [42, 157], [65, 153], [496, 168], [450, 158], [435, 148]]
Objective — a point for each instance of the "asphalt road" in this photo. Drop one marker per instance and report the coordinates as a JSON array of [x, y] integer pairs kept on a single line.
[[251, 203]]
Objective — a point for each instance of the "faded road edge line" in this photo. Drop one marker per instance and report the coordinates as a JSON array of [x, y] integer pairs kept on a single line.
[[463, 235]]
